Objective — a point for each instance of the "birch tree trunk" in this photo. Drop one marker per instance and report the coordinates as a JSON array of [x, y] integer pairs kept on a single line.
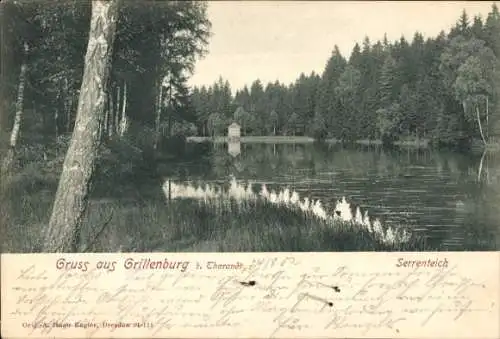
[[56, 121], [170, 108], [480, 126], [14, 136], [124, 121], [117, 111], [111, 115], [158, 116], [63, 233], [107, 112], [487, 119], [480, 170]]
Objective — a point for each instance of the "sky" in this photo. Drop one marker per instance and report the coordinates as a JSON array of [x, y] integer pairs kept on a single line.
[[277, 40]]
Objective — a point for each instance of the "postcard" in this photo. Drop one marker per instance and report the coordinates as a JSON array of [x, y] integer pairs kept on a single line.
[[249, 169]]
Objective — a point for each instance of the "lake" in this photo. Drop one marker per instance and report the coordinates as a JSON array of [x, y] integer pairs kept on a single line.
[[450, 198], [447, 199]]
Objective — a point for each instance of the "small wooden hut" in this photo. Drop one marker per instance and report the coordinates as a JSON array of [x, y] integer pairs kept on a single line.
[[234, 132]]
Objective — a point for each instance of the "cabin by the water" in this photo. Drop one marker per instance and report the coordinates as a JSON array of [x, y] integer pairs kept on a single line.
[[234, 132]]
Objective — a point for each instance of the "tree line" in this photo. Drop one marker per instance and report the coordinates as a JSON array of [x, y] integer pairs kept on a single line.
[[444, 89]]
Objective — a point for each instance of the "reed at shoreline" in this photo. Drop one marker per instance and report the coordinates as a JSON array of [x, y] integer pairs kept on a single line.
[[244, 197]]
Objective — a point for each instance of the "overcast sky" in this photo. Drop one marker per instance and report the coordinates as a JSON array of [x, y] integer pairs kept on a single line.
[[273, 40]]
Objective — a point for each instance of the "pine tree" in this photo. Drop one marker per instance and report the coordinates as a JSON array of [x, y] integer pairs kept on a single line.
[[327, 103], [463, 24], [477, 29], [355, 57], [387, 82], [347, 92]]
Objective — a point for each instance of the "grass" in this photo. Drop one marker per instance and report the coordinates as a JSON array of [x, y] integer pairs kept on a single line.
[[187, 225], [23, 217]]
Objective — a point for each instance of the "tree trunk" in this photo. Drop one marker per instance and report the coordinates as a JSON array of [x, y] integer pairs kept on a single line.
[[170, 109], [63, 234], [56, 119], [480, 126], [105, 125], [111, 114], [487, 119], [117, 111], [14, 136], [124, 121], [158, 116], [480, 170]]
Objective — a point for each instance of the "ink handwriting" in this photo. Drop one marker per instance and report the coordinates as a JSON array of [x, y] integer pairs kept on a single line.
[[282, 295]]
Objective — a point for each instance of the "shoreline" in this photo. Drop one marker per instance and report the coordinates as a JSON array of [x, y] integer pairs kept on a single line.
[[417, 143], [304, 139]]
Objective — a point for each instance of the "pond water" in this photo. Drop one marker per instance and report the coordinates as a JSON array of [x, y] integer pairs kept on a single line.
[[450, 198]]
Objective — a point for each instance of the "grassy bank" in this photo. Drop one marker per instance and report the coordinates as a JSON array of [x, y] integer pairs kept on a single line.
[[145, 221], [189, 225]]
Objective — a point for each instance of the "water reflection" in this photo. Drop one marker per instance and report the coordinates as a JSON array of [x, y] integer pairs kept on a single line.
[[234, 148], [450, 198], [342, 210]]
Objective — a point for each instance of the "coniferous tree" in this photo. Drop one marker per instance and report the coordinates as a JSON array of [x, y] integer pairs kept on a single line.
[[390, 90]]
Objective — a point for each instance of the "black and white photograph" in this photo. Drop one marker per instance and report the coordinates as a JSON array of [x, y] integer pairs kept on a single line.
[[249, 126]]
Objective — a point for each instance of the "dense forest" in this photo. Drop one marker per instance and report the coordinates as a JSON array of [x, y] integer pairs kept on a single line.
[[43, 49], [444, 89]]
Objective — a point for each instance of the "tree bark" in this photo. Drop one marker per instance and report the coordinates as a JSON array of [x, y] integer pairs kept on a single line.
[[158, 115], [111, 114], [480, 126], [14, 136], [63, 233], [124, 121], [480, 170], [56, 120], [117, 111], [170, 108], [487, 118]]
